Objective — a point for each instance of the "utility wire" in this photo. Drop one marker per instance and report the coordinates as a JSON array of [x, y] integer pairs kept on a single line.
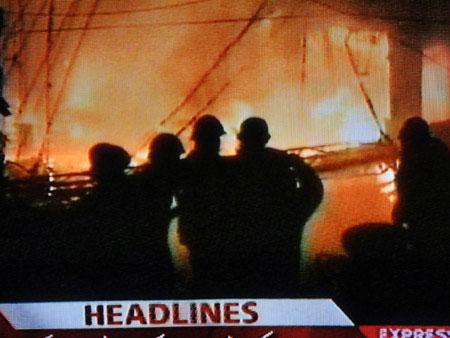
[[18, 53], [210, 22], [8, 34], [363, 90], [208, 104], [222, 56], [61, 92], [36, 75], [72, 62], [215, 65], [40, 13]]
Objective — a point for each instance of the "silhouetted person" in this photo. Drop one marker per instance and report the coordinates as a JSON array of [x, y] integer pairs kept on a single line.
[[164, 170], [423, 185], [159, 182], [108, 163], [203, 205], [106, 222], [78, 254], [277, 193], [400, 271], [109, 241]]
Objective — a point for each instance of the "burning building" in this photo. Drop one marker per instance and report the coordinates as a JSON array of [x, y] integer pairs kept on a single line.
[[320, 72]]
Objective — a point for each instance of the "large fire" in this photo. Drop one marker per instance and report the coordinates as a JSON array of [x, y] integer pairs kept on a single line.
[[135, 64]]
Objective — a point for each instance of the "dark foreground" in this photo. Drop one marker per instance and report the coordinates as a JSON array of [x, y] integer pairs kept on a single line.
[[373, 271]]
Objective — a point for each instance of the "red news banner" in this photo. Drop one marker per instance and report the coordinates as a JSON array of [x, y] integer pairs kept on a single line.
[[391, 331], [265, 318], [231, 318]]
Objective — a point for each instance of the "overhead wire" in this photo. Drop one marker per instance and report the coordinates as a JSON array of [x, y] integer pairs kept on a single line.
[[66, 77], [37, 73], [222, 56], [208, 104], [18, 53], [119, 12], [218, 21], [216, 64], [204, 22], [19, 19], [395, 18], [363, 90]]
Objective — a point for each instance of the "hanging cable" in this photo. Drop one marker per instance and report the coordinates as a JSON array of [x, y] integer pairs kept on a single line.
[[18, 53], [22, 9], [363, 90], [215, 65], [119, 12], [222, 56], [208, 104], [37, 73], [61, 92]]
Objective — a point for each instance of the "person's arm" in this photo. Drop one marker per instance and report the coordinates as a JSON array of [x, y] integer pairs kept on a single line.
[[311, 184]]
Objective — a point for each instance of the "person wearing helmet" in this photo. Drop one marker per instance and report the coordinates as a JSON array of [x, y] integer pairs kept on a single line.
[[156, 187], [203, 204], [165, 150], [164, 168], [206, 135], [101, 220], [108, 162], [278, 193]]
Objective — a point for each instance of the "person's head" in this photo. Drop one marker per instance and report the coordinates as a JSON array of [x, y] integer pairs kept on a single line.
[[253, 133], [414, 130], [108, 162], [206, 134], [165, 149]]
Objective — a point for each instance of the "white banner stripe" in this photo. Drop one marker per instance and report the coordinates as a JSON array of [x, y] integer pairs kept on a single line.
[[185, 313]]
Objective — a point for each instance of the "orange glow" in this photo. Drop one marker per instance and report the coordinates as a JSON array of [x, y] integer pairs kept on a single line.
[[436, 83], [347, 204], [338, 35], [125, 81]]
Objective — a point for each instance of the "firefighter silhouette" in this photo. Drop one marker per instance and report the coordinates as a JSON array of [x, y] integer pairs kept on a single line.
[[158, 184], [278, 192], [423, 186], [204, 206]]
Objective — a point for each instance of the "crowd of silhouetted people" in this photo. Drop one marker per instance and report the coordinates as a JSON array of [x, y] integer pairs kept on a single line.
[[241, 218]]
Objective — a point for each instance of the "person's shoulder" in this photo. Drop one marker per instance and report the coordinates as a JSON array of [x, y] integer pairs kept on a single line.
[[283, 155], [230, 158], [439, 145], [277, 154], [189, 161]]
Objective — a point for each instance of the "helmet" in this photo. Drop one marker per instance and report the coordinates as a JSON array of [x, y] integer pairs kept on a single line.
[[414, 129], [254, 129], [108, 160], [165, 145], [206, 127]]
